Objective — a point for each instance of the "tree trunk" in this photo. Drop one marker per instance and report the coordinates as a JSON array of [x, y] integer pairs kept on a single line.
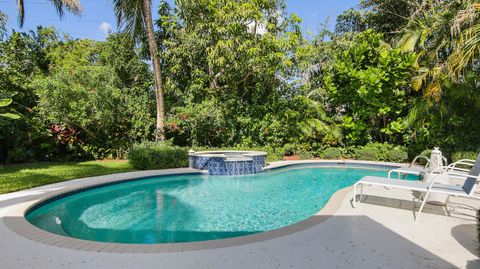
[[157, 69]]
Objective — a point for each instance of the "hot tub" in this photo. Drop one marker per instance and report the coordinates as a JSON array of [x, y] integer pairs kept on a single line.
[[228, 162]]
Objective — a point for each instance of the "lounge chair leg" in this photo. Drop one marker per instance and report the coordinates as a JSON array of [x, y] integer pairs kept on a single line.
[[354, 195], [420, 198], [361, 193], [423, 204]]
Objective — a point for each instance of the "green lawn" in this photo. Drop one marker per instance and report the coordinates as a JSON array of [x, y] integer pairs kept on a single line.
[[25, 176]]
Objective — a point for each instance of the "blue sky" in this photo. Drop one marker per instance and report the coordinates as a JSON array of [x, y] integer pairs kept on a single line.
[[98, 15]]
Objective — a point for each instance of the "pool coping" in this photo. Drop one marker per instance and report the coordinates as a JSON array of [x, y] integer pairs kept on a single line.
[[15, 217]]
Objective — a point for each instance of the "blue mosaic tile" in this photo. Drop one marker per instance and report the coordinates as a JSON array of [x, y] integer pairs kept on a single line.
[[233, 166]]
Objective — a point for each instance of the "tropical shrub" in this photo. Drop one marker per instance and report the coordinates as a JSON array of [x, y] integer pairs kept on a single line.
[[379, 152], [5, 101], [367, 154], [155, 155], [199, 124], [91, 94], [98, 90], [451, 123], [397, 155], [23, 56], [460, 155], [274, 154], [106, 118], [225, 83], [368, 81], [306, 155], [331, 153], [290, 149]]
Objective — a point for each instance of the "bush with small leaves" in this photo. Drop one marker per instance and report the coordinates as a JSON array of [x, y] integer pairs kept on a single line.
[[306, 155], [397, 155], [380, 152], [331, 153], [290, 149], [367, 154], [461, 155], [157, 155]]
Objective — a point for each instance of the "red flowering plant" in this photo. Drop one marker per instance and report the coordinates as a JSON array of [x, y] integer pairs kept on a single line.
[[64, 137], [176, 123]]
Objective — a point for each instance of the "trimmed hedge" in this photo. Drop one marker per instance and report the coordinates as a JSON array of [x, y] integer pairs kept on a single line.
[[306, 155], [153, 155], [157, 155], [381, 152], [367, 154], [397, 155], [459, 155], [370, 152], [331, 154]]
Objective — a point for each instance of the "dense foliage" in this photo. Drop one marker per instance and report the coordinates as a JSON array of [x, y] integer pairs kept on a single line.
[[98, 90], [77, 98], [367, 84], [394, 77], [227, 82]]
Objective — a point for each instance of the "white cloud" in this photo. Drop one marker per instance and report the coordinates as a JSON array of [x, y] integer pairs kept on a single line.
[[260, 29], [105, 27]]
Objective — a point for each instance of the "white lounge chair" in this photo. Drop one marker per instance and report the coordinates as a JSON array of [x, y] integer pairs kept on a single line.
[[430, 186], [413, 169]]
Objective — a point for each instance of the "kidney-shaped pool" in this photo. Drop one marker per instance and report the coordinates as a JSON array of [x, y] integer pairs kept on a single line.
[[188, 208]]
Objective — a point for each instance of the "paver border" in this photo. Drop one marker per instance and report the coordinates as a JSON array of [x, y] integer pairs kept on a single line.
[[15, 219]]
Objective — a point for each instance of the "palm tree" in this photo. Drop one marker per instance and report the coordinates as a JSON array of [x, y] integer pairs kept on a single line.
[[446, 37], [60, 5], [466, 32], [135, 17], [3, 24]]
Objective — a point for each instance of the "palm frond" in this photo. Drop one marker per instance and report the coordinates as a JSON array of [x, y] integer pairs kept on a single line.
[[466, 29], [465, 16], [418, 112], [434, 90], [408, 41], [311, 126], [418, 80], [446, 35], [72, 6], [129, 14], [3, 23]]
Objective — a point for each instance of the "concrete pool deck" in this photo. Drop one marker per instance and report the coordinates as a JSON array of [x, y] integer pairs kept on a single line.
[[379, 233]]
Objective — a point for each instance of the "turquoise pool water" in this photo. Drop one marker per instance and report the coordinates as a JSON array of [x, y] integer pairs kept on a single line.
[[189, 208]]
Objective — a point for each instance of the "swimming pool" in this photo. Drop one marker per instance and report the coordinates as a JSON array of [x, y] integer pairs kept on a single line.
[[190, 208]]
